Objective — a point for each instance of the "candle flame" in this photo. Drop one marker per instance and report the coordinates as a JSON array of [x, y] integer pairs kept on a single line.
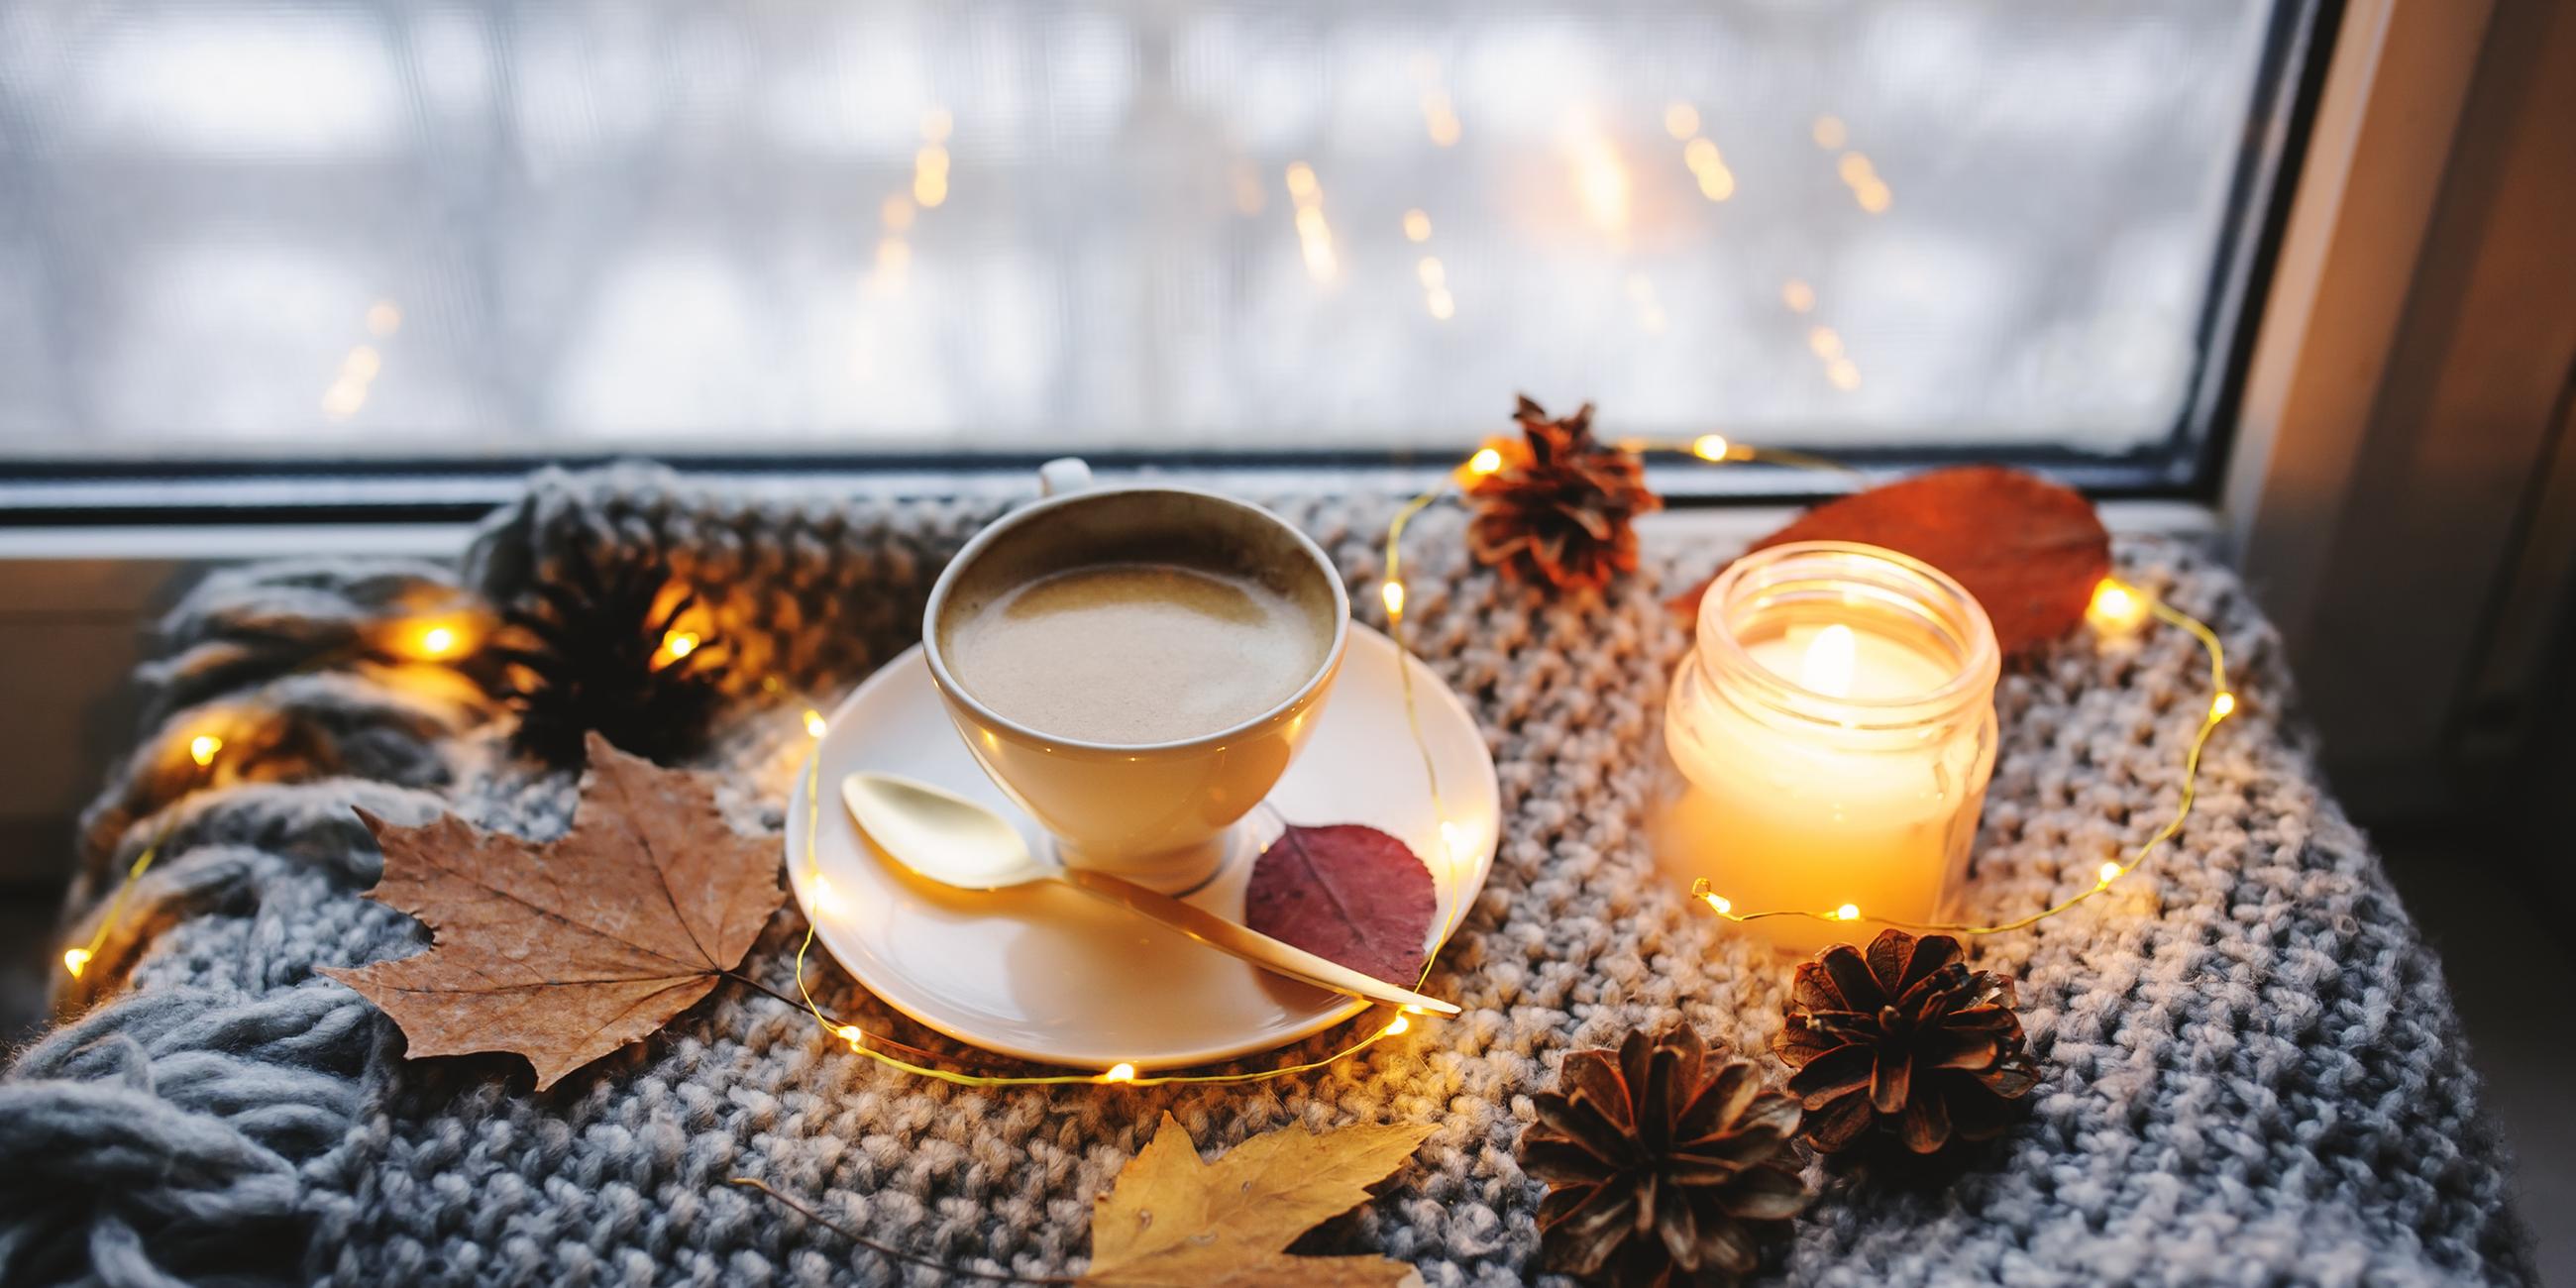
[[1829, 662]]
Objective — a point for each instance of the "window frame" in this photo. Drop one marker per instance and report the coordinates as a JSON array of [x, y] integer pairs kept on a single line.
[[2192, 464]]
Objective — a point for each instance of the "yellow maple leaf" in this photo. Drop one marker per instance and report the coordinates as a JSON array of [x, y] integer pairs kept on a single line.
[[1171, 1221]]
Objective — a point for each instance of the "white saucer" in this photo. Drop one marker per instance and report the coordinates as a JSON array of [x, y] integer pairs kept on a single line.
[[1049, 974]]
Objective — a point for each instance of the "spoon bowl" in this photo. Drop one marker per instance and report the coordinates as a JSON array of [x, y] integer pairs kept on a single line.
[[940, 835]]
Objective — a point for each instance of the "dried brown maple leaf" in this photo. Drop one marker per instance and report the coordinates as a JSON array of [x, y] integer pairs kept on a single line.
[[2029, 550], [1172, 1221], [567, 950], [1349, 893]]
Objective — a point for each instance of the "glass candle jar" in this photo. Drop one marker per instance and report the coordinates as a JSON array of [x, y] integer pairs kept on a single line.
[[1836, 725]]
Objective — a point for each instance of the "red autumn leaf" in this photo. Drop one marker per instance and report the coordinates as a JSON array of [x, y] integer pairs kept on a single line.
[[1347, 892], [2030, 550]]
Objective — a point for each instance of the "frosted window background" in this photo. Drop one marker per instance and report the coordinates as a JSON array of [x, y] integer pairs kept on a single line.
[[345, 229]]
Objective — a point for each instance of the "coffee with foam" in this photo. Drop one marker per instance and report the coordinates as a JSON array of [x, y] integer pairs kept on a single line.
[[1136, 653], [1138, 619]]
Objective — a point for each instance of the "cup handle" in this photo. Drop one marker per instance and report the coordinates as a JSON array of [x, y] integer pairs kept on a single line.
[[1063, 474]]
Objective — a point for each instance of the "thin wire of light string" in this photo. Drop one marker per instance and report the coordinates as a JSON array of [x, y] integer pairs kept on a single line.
[[874, 1047], [2222, 704], [1394, 600], [916, 1060], [206, 747], [1393, 595], [77, 960], [1717, 450], [866, 1044]]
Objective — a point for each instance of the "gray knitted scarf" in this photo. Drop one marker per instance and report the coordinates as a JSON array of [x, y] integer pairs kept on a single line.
[[2251, 1069]]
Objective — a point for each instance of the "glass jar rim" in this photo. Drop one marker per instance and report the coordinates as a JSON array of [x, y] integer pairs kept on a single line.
[[1930, 590]]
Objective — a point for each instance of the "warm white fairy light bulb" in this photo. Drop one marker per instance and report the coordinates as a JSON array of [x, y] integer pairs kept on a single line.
[[826, 900], [2115, 609]]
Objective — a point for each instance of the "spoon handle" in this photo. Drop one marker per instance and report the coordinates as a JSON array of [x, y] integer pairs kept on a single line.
[[1249, 944]]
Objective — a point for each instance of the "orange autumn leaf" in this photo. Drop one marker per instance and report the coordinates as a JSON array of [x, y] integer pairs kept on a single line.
[[1172, 1221], [2031, 551], [566, 950]]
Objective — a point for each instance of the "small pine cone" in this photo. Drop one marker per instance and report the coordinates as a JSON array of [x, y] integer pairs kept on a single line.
[[1904, 1037], [1561, 509], [1668, 1165], [594, 650]]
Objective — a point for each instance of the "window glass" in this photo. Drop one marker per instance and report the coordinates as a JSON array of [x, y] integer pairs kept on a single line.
[[350, 230]]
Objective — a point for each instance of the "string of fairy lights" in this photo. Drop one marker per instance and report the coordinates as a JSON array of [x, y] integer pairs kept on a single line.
[[435, 638], [2116, 608]]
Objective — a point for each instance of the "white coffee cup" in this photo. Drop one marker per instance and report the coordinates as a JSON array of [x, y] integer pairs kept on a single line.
[[1159, 814]]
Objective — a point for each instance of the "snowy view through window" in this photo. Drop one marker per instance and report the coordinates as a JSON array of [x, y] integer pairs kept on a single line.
[[350, 230]]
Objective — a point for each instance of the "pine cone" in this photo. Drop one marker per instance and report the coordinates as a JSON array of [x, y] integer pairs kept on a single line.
[[1561, 509], [590, 651], [1905, 1037], [1666, 1163]]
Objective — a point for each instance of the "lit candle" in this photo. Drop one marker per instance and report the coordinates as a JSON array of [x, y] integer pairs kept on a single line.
[[1836, 726]]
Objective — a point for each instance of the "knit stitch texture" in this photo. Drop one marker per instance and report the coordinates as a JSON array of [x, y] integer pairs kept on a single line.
[[2252, 1072]]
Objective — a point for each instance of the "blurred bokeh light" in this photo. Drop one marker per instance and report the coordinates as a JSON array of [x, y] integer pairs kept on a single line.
[[410, 229]]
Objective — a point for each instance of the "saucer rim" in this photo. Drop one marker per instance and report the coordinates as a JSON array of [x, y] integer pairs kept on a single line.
[[1468, 889]]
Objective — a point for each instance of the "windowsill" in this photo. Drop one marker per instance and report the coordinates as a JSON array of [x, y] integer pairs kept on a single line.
[[36, 573], [344, 493], [76, 603]]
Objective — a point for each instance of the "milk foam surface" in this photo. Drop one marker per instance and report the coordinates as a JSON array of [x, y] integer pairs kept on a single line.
[[1133, 653]]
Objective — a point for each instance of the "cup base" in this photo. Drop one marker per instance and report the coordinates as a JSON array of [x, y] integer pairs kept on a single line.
[[1176, 872]]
